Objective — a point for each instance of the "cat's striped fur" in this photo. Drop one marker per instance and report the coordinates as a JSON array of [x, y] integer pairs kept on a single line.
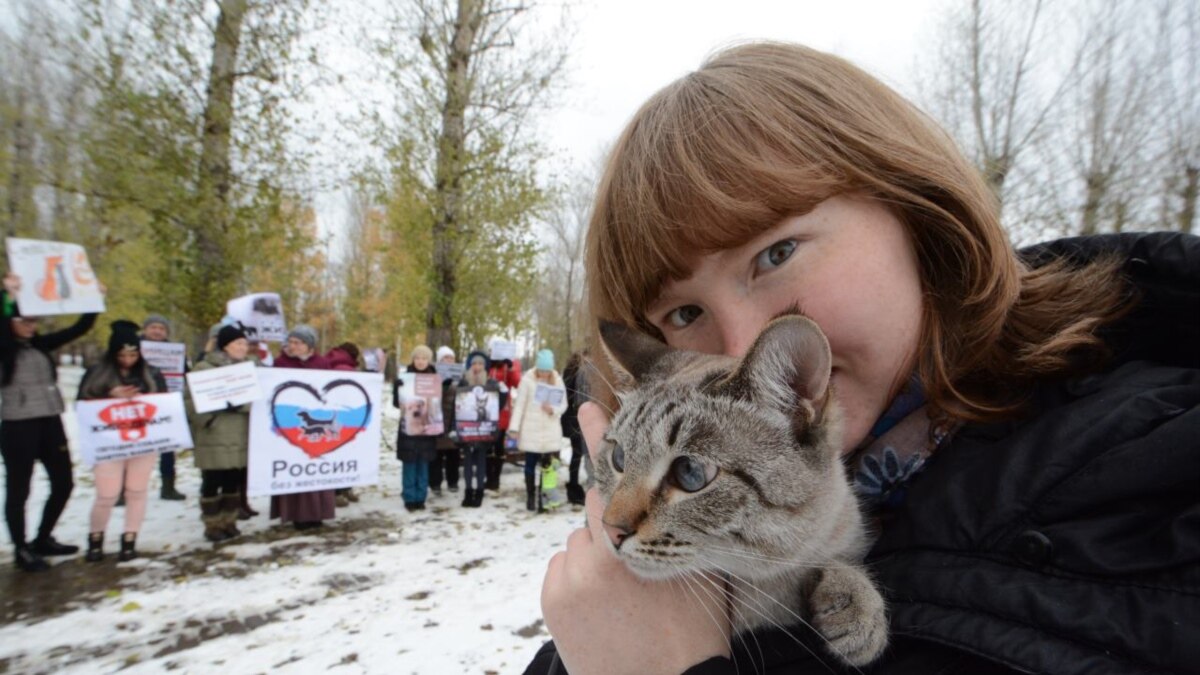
[[731, 468]]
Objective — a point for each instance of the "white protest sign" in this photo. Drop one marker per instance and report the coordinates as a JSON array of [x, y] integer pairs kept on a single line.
[[545, 393], [421, 400], [450, 371], [56, 278], [503, 349], [169, 357], [314, 430], [117, 428], [261, 314], [218, 388]]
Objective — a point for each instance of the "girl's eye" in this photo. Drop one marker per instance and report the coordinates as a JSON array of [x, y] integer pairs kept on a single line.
[[690, 474], [618, 457], [775, 255], [682, 317]]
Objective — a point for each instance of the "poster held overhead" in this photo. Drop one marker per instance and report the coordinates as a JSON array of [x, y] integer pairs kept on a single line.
[[56, 278], [261, 314], [314, 430], [503, 349]]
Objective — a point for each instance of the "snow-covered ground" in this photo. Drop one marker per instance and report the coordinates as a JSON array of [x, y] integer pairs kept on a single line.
[[378, 590]]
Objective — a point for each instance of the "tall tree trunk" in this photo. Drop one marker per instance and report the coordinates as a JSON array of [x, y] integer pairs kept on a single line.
[[20, 179], [1096, 187], [215, 276], [1191, 187], [439, 318]]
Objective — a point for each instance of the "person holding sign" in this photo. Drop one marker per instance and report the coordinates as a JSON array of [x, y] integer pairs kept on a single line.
[[123, 374], [305, 510], [157, 328], [31, 428], [222, 441], [414, 448], [448, 459], [536, 421], [478, 403]]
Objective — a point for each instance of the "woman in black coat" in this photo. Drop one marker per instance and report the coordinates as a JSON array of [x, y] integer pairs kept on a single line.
[[415, 451]]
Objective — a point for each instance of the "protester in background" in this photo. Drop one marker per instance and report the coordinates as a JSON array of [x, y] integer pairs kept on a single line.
[[414, 451], [537, 425], [221, 439], [574, 381], [344, 357], [156, 328], [448, 458], [122, 374], [508, 375], [31, 428], [305, 509], [474, 452]]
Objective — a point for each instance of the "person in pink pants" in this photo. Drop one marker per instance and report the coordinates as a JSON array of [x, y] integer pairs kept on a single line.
[[122, 374]]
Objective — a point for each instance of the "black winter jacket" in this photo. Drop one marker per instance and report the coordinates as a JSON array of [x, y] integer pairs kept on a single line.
[[1065, 542], [413, 448]]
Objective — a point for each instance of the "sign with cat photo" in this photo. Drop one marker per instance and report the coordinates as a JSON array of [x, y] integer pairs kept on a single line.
[[476, 413], [421, 400], [314, 430], [261, 314], [56, 278]]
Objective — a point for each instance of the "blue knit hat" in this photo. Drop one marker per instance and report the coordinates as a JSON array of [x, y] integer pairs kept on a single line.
[[545, 360]]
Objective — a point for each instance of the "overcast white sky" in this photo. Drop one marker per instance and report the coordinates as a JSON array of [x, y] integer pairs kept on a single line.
[[626, 50]]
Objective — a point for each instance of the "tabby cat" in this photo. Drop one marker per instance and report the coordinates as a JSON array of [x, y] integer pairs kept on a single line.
[[731, 468]]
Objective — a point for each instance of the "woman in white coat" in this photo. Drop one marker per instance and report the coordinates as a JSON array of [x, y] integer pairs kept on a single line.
[[536, 420]]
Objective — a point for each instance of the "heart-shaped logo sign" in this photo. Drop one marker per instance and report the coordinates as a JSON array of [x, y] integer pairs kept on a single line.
[[319, 422]]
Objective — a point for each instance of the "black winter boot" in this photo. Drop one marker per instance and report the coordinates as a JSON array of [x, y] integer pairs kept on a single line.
[[168, 491], [575, 493], [48, 546], [530, 494], [478, 501], [127, 551], [95, 550], [468, 498], [27, 560], [494, 466]]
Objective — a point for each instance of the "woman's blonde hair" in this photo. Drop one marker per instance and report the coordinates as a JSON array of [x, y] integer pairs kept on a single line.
[[765, 131], [422, 351]]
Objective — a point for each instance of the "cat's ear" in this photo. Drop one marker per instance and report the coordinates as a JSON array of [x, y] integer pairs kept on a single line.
[[787, 367], [633, 354]]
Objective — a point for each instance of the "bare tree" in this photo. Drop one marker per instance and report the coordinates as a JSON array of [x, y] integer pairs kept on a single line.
[[1180, 60], [995, 80], [560, 315]]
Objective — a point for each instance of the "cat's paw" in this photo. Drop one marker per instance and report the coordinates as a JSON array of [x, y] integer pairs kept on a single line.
[[849, 613]]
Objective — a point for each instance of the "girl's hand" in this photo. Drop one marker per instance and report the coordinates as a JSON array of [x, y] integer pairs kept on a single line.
[[548, 409], [123, 391], [12, 284], [604, 619]]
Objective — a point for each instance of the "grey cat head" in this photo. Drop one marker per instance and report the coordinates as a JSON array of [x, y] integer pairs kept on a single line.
[[717, 463]]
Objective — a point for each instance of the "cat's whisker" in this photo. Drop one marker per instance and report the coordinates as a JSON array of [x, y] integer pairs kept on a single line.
[[713, 584], [687, 583], [743, 583], [762, 557]]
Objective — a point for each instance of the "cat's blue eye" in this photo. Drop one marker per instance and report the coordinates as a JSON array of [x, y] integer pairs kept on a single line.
[[775, 255], [682, 317], [689, 474], [618, 457]]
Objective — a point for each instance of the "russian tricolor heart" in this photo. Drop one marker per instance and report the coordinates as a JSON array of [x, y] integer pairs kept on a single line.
[[319, 422]]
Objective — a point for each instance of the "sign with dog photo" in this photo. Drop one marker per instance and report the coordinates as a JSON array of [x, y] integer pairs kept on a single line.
[[421, 400], [314, 430], [261, 314]]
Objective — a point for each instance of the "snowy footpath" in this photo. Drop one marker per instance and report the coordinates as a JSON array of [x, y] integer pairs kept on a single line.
[[377, 590]]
